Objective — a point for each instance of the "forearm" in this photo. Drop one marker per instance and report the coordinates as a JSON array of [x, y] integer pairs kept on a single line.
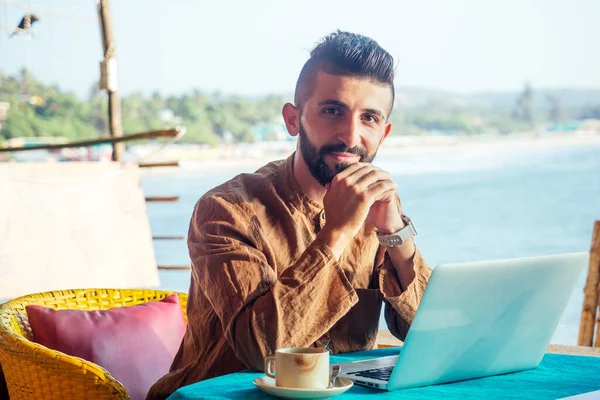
[[401, 256], [403, 301], [402, 260]]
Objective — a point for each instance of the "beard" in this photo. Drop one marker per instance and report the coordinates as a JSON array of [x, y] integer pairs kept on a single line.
[[315, 158]]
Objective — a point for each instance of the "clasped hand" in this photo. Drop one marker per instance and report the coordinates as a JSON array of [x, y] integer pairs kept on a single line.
[[362, 192]]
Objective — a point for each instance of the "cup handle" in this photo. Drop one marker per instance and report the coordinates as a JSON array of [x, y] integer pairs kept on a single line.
[[269, 361], [335, 371]]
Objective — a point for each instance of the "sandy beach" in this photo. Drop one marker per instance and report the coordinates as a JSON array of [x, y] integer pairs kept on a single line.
[[249, 157]]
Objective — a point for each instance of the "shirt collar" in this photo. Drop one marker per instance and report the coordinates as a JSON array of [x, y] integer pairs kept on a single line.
[[293, 193]]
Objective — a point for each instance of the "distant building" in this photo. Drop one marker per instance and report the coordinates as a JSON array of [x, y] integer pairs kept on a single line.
[[566, 127], [265, 131], [167, 116], [4, 107]]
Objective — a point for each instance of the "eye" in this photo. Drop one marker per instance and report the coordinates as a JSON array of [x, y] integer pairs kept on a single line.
[[332, 111], [370, 118]]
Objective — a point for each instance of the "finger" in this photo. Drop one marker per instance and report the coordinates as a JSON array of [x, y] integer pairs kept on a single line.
[[379, 189], [372, 176], [348, 171], [387, 197], [348, 180], [357, 175]]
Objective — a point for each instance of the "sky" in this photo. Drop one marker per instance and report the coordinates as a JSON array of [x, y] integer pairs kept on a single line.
[[255, 47]]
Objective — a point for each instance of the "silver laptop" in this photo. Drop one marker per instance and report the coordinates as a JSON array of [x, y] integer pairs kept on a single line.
[[478, 319]]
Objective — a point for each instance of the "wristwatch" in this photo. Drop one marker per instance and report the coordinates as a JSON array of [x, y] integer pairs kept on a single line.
[[398, 238]]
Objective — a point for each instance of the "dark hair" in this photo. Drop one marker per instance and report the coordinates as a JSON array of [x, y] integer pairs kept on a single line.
[[348, 54]]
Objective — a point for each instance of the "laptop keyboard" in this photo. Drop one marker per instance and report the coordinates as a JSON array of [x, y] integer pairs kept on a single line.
[[382, 374]]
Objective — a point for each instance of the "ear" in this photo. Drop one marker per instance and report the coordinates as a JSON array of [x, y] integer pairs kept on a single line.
[[291, 117], [386, 132]]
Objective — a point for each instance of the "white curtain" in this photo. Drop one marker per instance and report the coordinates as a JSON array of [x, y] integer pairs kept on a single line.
[[73, 225]]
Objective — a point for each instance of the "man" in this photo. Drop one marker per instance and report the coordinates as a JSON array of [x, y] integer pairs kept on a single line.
[[290, 256]]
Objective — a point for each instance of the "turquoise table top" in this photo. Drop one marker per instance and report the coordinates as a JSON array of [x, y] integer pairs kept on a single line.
[[557, 376]]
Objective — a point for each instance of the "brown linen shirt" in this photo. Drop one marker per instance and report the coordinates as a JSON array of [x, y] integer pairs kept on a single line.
[[261, 281]]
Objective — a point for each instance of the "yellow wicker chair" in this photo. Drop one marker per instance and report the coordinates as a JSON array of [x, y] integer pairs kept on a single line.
[[33, 371]]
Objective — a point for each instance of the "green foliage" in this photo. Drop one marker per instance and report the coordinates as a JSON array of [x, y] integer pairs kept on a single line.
[[45, 110], [20, 122], [525, 103]]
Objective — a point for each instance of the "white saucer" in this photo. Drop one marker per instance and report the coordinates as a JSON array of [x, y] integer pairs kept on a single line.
[[267, 385]]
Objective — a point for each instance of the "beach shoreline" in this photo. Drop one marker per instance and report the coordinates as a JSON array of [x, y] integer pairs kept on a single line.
[[250, 157]]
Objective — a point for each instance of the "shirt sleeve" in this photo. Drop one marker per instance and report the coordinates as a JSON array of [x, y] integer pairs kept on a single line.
[[401, 306], [260, 311]]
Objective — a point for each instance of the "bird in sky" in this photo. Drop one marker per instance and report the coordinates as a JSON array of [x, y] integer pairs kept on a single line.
[[22, 25]]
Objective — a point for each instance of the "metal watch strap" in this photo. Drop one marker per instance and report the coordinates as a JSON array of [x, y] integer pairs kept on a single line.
[[398, 238]]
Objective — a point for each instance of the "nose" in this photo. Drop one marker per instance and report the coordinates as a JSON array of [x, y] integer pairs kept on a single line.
[[350, 133]]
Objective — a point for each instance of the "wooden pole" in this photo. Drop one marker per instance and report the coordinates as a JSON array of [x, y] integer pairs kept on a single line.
[[164, 133], [174, 267], [159, 164], [114, 102], [168, 237], [162, 199], [590, 294], [595, 265]]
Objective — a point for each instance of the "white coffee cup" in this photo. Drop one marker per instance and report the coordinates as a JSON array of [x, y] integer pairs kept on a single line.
[[299, 368]]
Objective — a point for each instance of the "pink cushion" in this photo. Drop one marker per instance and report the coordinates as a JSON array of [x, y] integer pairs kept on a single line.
[[135, 344]]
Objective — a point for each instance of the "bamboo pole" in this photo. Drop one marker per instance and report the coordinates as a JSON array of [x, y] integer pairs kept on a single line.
[[114, 102], [164, 133], [162, 199], [168, 237], [590, 294], [159, 164], [174, 267]]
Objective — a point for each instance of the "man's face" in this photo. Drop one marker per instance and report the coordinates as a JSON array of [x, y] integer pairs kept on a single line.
[[341, 123]]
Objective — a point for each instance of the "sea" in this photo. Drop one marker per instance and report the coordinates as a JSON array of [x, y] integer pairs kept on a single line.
[[468, 205]]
